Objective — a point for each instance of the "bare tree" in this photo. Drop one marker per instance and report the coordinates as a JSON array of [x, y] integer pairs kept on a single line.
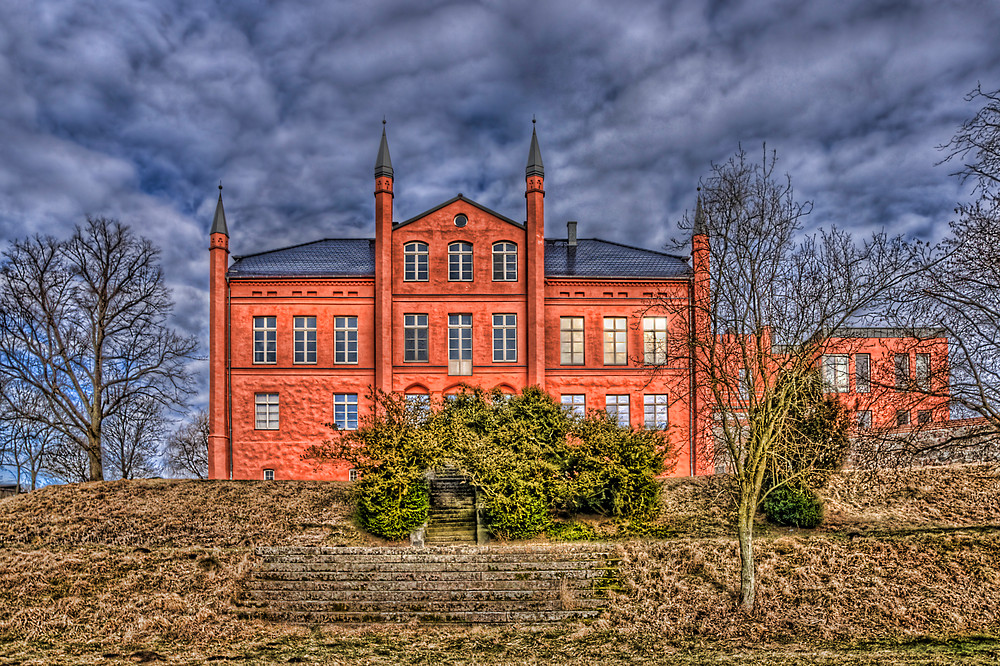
[[132, 439], [27, 441], [964, 284], [187, 448], [66, 461], [83, 322], [771, 299]]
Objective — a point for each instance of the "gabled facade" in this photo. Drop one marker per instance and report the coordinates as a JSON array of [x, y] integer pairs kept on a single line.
[[459, 295]]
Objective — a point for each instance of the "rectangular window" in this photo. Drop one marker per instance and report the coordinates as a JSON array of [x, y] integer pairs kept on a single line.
[[345, 411], [654, 409], [345, 339], [654, 340], [415, 262], [352, 474], [269, 475], [265, 340], [574, 403], [903, 417], [745, 385], [266, 411], [923, 369], [418, 402], [504, 338], [924, 417], [459, 344], [864, 420], [504, 262], [835, 374], [615, 351], [460, 262], [617, 406], [571, 340], [305, 339], [902, 363], [415, 338], [862, 373]]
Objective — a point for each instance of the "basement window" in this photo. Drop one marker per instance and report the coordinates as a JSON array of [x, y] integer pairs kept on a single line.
[[269, 475]]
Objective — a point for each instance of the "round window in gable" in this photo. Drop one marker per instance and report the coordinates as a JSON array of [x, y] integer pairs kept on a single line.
[[461, 220]]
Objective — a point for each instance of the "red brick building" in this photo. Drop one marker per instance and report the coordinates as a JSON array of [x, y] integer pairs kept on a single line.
[[457, 295]]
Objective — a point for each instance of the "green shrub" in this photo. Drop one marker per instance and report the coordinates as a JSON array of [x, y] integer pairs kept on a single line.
[[519, 515], [571, 531], [391, 508], [792, 506]]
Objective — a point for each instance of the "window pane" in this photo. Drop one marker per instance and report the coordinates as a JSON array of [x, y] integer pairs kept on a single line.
[[655, 411], [415, 261], [902, 363], [923, 372], [265, 340], [504, 338], [504, 261], [305, 339], [862, 373], [835, 374], [460, 344], [617, 407], [460, 262], [266, 411], [345, 335], [571, 341], [615, 352], [654, 340], [345, 411], [574, 403]]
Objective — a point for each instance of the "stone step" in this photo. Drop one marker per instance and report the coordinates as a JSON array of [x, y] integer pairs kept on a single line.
[[419, 606], [420, 596], [539, 586], [426, 567], [436, 554], [483, 617], [548, 549], [387, 577]]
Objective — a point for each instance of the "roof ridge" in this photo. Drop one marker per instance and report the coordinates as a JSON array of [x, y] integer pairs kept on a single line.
[[631, 247], [238, 257]]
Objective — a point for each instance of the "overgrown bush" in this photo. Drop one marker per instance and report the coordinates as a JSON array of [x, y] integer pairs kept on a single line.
[[793, 506], [530, 459]]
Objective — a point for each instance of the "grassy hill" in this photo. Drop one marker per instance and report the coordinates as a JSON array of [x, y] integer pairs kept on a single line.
[[133, 570]]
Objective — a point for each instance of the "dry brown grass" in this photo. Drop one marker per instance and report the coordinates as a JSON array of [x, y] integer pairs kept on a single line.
[[179, 513], [155, 564]]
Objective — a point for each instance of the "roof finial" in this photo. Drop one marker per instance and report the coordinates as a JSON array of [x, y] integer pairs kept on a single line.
[[383, 163], [534, 167], [219, 221], [220, 187], [383, 119]]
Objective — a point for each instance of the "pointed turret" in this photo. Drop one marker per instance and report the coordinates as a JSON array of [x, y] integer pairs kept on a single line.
[[534, 167], [383, 163], [700, 227], [219, 222]]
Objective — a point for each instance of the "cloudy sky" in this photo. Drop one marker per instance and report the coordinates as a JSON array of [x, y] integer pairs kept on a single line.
[[137, 109]]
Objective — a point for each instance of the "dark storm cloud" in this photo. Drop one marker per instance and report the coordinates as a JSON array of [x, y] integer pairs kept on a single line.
[[137, 109]]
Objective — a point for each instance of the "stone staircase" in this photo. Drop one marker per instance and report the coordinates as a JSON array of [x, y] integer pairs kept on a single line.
[[452, 515], [458, 584]]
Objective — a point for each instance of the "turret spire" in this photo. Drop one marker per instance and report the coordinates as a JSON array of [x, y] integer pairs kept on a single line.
[[534, 167], [700, 227], [219, 222], [383, 163]]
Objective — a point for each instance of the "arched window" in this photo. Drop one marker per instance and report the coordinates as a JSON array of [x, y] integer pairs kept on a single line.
[[460, 262], [504, 262], [415, 262]]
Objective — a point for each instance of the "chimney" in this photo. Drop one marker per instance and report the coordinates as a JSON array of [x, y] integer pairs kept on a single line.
[[571, 233]]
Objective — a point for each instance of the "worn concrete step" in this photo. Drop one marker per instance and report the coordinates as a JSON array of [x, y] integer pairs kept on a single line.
[[485, 617], [530, 568], [420, 596], [418, 606], [456, 554], [539, 548], [389, 576], [539, 586]]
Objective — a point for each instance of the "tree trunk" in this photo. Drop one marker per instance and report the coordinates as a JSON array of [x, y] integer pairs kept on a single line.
[[96, 466], [748, 573]]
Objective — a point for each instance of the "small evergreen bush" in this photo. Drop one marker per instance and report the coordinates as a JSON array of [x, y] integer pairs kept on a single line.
[[792, 506]]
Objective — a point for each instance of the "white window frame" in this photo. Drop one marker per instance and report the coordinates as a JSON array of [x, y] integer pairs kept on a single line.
[[304, 339], [862, 373], [922, 370], [344, 417], [265, 340], [654, 340], [572, 350], [655, 410], [836, 373], [352, 474], [617, 407], [415, 262], [505, 338], [459, 344], [266, 411], [269, 475], [504, 261], [901, 371], [616, 341], [574, 403], [460, 261], [345, 340], [415, 338]]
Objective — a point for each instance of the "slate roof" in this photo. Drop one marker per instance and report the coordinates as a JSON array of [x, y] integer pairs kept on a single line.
[[331, 257], [355, 257]]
